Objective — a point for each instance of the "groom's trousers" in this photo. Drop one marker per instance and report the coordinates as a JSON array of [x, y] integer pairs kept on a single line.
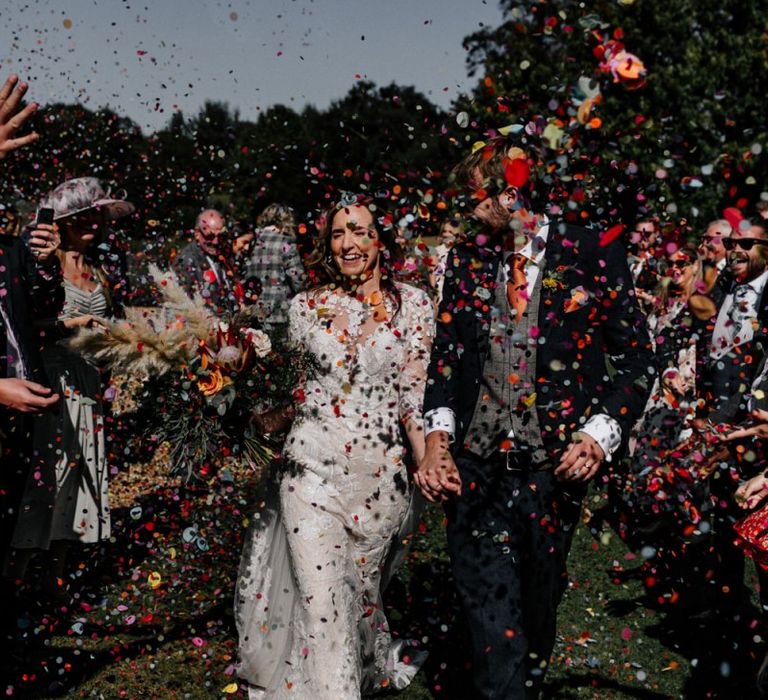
[[509, 534]]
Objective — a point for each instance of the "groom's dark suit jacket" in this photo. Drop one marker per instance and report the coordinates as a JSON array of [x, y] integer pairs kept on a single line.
[[574, 380]]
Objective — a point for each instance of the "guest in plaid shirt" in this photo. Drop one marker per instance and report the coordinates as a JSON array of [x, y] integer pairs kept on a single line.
[[274, 264]]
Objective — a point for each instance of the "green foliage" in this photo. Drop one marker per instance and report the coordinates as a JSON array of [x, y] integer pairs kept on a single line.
[[372, 139], [700, 115], [689, 142]]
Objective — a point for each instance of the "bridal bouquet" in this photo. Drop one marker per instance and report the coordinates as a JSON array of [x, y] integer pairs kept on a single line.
[[196, 378]]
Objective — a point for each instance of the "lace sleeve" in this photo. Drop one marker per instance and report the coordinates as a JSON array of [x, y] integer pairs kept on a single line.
[[298, 321], [419, 320]]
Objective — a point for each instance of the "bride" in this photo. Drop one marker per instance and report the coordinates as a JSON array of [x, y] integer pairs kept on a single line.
[[308, 605]]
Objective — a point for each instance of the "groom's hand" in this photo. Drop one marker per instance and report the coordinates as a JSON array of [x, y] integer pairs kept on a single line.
[[437, 475], [581, 459]]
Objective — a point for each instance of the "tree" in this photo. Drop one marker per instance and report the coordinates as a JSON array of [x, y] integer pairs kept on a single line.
[[689, 142]]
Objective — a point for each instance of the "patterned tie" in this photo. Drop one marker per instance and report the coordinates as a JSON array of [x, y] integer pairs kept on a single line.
[[739, 312], [517, 285]]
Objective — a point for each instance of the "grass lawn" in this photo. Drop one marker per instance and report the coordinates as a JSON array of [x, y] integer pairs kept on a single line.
[[153, 615]]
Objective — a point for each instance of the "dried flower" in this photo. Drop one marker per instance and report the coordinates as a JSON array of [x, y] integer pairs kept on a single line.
[[229, 355], [260, 341]]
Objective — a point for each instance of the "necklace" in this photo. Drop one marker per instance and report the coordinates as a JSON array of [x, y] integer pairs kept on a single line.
[[376, 301]]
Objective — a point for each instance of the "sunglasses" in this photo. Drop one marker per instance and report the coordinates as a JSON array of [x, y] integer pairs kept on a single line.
[[679, 264], [743, 243], [706, 240]]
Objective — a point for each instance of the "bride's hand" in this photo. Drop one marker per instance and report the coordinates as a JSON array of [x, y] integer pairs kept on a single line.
[[275, 420]]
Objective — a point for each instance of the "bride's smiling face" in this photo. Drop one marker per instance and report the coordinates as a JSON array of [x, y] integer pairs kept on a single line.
[[354, 241]]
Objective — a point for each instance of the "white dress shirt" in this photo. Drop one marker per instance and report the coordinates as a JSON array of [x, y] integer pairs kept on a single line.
[[603, 429], [734, 325]]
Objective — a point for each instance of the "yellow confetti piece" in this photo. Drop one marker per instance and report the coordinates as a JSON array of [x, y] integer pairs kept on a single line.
[[477, 145], [229, 689], [154, 580], [172, 552]]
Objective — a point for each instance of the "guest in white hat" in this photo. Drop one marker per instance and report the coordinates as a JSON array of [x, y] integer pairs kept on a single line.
[[65, 499]]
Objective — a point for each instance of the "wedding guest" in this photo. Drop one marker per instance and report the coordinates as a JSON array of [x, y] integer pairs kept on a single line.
[[730, 351], [309, 612], [30, 287], [749, 412], [520, 410], [274, 264], [644, 259], [451, 231], [203, 266], [243, 242], [712, 252], [65, 499], [671, 409]]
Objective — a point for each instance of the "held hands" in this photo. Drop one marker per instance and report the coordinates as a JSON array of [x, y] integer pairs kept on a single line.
[[274, 421], [437, 475], [581, 459], [10, 121], [44, 242], [25, 396]]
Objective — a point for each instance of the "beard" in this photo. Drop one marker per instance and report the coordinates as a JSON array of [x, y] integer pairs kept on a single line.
[[755, 265]]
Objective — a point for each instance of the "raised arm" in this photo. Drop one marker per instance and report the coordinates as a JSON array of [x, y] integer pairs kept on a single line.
[[12, 120]]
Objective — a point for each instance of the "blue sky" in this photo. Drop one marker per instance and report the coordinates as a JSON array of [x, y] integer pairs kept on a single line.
[[147, 58]]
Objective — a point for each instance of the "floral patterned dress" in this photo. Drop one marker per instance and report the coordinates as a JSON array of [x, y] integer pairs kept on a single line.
[[308, 601]]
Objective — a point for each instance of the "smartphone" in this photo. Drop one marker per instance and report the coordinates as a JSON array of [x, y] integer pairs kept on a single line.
[[44, 215]]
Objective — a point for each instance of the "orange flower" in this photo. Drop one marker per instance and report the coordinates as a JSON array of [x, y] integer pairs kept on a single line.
[[578, 299], [213, 383]]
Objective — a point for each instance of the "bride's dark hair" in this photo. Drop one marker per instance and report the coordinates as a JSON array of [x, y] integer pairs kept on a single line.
[[322, 267]]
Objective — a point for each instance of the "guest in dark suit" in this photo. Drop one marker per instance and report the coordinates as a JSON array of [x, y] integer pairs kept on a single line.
[[203, 268], [521, 408], [729, 354], [748, 410], [30, 287]]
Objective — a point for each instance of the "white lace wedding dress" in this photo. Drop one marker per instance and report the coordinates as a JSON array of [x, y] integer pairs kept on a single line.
[[308, 603]]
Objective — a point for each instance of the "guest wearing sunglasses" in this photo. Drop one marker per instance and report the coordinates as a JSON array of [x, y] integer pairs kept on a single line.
[[670, 409], [729, 356], [644, 255], [712, 251], [205, 265]]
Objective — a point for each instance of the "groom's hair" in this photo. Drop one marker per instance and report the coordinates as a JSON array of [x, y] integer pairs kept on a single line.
[[487, 168]]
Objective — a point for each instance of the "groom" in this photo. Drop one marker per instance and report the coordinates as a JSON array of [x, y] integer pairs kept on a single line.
[[522, 409]]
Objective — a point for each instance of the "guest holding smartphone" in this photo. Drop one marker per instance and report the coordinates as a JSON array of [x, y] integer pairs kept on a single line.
[[65, 499]]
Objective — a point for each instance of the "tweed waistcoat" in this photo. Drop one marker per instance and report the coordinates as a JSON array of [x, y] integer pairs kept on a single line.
[[506, 404]]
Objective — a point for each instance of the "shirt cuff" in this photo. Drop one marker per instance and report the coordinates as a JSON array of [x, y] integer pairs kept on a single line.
[[605, 431], [441, 418]]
